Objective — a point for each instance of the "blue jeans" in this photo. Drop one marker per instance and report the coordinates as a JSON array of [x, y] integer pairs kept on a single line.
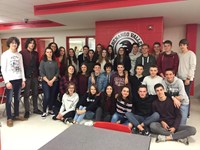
[[16, 89], [136, 119], [184, 112], [78, 118], [49, 95], [88, 115], [118, 117]]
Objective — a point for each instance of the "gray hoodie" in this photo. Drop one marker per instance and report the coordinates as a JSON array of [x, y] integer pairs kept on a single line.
[[176, 88]]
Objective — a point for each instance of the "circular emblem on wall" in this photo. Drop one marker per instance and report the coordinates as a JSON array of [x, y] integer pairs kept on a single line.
[[125, 39]]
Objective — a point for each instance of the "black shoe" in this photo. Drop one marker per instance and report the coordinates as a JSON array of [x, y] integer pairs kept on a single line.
[[37, 111], [135, 130], [144, 132], [54, 118], [26, 115]]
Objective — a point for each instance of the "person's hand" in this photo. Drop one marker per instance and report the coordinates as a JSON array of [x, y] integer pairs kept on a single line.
[[162, 75], [177, 103], [116, 95], [126, 80], [172, 129], [92, 78], [164, 125], [59, 116], [187, 82], [8, 85], [82, 112], [23, 84]]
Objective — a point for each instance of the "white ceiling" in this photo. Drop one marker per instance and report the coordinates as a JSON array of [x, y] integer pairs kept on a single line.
[[174, 14]]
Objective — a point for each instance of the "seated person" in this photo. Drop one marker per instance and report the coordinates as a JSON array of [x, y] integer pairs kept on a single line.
[[175, 88], [87, 105], [142, 115], [107, 105], [123, 105], [69, 101], [168, 128]]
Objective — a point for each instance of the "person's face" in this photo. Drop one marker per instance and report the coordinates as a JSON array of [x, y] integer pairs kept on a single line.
[[120, 68], [125, 92], [49, 53], [53, 47], [91, 54], [70, 70], [99, 48], [169, 76], [71, 53], [139, 70], [109, 90], [157, 48], [13, 45], [83, 68], [85, 50], [183, 47], [31, 46], [108, 70], [71, 89], [97, 69], [62, 51], [104, 53], [160, 92], [145, 50], [93, 90], [110, 50], [153, 71], [167, 47], [142, 92], [135, 48], [121, 51]]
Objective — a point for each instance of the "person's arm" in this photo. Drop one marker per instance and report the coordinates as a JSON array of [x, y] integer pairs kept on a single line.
[[4, 66], [176, 63], [177, 120], [192, 67]]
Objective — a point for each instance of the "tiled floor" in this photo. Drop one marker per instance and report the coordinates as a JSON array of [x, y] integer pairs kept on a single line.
[[32, 134]]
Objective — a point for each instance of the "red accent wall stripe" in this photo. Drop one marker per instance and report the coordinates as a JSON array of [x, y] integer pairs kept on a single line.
[[30, 24], [191, 36], [85, 5]]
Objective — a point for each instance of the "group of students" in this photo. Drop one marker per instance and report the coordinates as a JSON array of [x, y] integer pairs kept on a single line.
[[133, 94]]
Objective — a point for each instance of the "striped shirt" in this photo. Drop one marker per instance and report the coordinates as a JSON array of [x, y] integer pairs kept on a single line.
[[122, 107]]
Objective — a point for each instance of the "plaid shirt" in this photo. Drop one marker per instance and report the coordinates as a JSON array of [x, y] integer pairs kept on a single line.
[[64, 83]]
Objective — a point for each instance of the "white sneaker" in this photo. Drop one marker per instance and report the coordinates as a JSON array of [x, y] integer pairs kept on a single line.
[[89, 123], [44, 115]]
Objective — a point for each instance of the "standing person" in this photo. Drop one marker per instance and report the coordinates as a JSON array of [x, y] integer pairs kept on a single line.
[[54, 47], [82, 58], [82, 80], [72, 60], [146, 59], [97, 52], [31, 65], [69, 101], [187, 65], [119, 79], [90, 61], [103, 59], [133, 56], [111, 53], [175, 88], [70, 76], [97, 78], [151, 80], [156, 49], [142, 115], [168, 127], [62, 63], [123, 105], [136, 80], [167, 59], [87, 105], [122, 58], [49, 72], [107, 105], [13, 73]]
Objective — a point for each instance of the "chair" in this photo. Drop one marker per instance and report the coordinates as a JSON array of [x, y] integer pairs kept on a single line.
[[112, 126]]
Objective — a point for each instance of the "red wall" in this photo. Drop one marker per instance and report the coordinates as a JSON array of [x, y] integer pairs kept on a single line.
[[105, 30]]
